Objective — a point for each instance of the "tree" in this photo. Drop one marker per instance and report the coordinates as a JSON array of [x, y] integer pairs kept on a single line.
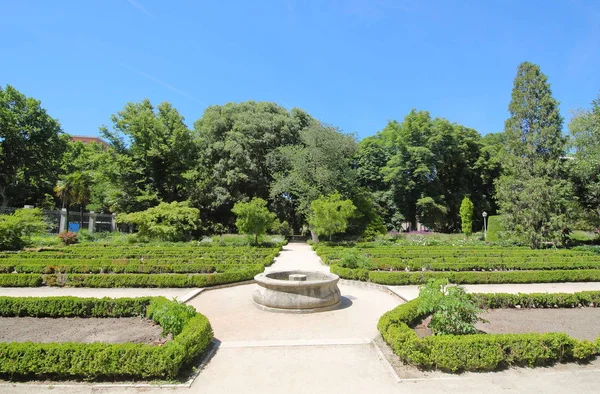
[[585, 168], [31, 146], [319, 165], [253, 218], [330, 214], [466, 216], [153, 150], [175, 221], [532, 194], [234, 142]]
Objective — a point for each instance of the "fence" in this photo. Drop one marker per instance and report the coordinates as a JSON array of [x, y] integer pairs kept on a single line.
[[57, 220]]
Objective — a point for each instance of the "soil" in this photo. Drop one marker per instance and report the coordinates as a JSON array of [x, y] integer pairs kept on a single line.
[[83, 330], [580, 323]]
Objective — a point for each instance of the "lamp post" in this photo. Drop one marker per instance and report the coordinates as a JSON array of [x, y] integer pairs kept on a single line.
[[484, 226]]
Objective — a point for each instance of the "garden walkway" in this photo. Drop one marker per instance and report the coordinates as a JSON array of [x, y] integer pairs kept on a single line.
[[330, 352]]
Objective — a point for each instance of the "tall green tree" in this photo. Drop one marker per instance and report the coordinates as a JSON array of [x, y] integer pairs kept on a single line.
[[532, 194], [31, 146], [320, 164], [153, 151], [234, 142], [585, 166]]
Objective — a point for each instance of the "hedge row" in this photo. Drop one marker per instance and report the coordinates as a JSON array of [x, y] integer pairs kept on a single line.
[[415, 278], [93, 267], [485, 265], [107, 361], [481, 352], [126, 280], [73, 307]]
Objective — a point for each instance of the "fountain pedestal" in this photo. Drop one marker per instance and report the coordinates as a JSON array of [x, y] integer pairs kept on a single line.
[[297, 291]]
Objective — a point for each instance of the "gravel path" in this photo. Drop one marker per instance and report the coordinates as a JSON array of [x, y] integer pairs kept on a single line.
[[109, 330]]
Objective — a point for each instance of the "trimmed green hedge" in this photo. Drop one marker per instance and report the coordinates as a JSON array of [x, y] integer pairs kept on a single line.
[[465, 277], [486, 352], [191, 331], [20, 280]]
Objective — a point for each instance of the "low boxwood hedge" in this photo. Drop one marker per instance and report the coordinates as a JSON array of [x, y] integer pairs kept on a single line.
[[466, 277], [128, 280], [487, 352], [191, 332]]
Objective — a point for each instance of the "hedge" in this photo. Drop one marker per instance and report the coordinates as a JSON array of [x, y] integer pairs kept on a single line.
[[100, 361], [20, 280], [92, 266], [462, 277], [486, 352]]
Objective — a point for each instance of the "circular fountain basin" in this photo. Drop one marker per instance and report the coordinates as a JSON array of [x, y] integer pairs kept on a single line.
[[297, 291]]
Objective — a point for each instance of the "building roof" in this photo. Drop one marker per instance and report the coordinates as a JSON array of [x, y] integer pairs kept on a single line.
[[89, 140]]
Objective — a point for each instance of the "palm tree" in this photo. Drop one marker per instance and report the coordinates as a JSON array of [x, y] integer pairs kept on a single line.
[[74, 188]]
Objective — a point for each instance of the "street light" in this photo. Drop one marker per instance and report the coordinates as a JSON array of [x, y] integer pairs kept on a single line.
[[484, 226]]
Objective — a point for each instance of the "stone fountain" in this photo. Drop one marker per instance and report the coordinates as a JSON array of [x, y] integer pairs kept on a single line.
[[297, 291]]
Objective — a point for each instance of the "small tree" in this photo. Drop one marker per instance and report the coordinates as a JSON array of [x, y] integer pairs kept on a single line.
[[466, 215], [253, 218], [329, 214], [167, 222]]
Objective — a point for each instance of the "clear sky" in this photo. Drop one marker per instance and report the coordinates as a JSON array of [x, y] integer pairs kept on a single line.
[[350, 63]]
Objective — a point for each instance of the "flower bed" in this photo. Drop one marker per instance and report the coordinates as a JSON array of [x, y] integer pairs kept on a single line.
[[486, 352], [191, 333]]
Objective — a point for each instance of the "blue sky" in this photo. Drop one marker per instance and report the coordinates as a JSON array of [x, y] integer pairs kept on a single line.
[[351, 63]]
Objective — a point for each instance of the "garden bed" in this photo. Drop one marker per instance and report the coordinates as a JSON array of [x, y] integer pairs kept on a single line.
[[485, 352], [190, 331], [82, 330], [579, 323]]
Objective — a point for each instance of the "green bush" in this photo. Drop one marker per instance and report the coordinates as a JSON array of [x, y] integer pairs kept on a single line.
[[191, 331], [353, 259], [253, 218], [453, 311], [168, 221], [484, 352], [17, 229]]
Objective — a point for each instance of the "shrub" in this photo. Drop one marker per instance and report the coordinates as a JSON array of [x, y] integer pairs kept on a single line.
[[16, 229], [494, 228], [354, 259], [167, 222], [68, 237], [330, 214], [454, 312], [466, 216]]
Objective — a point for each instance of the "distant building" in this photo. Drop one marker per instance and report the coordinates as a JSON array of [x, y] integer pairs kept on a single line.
[[89, 140]]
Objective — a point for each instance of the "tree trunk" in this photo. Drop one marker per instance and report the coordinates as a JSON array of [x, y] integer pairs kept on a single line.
[[314, 236], [80, 217], [4, 196]]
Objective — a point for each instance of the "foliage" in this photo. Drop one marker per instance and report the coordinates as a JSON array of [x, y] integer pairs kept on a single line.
[[319, 164], [453, 311], [168, 221], [533, 196], [152, 151], [329, 214], [483, 352], [282, 228], [353, 259], [466, 216], [253, 218], [68, 237], [31, 147], [494, 228], [16, 229], [375, 228], [234, 142], [585, 168], [430, 213], [191, 331]]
